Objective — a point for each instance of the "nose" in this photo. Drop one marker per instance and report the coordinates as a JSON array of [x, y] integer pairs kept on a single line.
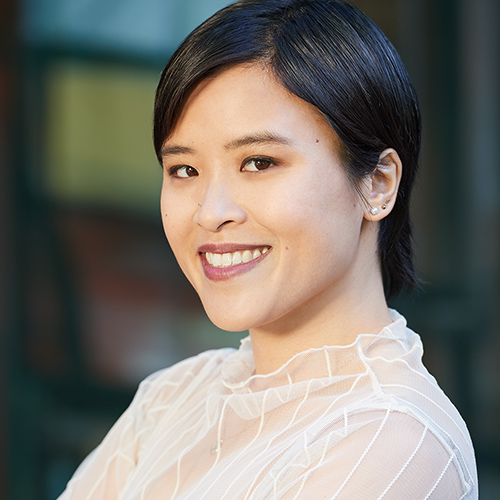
[[219, 207]]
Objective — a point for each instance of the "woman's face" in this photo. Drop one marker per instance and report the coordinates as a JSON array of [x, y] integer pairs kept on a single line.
[[256, 205]]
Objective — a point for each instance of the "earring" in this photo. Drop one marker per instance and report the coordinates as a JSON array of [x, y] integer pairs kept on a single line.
[[374, 210], [384, 206]]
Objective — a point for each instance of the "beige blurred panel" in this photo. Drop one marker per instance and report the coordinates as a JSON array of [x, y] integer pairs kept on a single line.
[[99, 136]]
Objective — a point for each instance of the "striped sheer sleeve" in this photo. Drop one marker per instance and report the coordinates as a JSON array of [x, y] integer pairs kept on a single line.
[[387, 455], [104, 472]]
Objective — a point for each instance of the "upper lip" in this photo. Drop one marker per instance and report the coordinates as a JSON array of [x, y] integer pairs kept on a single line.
[[227, 247]]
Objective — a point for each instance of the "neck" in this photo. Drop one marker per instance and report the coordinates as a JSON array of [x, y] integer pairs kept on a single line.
[[332, 319], [331, 325]]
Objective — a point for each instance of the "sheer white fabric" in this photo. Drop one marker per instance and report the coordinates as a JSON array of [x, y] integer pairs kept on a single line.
[[364, 421]]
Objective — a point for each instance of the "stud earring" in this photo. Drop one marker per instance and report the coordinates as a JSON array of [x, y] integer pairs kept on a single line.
[[384, 206], [374, 210]]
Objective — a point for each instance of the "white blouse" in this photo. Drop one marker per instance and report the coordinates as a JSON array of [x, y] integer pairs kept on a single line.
[[363, 421]]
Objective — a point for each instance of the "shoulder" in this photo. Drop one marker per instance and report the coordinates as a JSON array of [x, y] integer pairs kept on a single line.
[[192, 372], [375, 452], [386, 452], [423, 429], [172, 388], [398, 378], [205, 363], [408, 452]]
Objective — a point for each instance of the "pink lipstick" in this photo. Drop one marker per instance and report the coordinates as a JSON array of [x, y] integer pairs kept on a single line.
[[226, 260]]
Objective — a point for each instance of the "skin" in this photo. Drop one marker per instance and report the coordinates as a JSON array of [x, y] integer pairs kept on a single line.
[[250, 165]]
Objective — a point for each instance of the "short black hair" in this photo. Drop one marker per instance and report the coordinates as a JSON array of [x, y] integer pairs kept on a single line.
[[330, 54]]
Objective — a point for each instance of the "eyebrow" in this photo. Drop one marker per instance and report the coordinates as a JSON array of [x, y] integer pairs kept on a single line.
[[259, 138], [248, 140], [175, 150]]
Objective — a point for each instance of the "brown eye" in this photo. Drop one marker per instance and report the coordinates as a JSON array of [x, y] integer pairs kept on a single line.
[[183, 171], [256, 164]]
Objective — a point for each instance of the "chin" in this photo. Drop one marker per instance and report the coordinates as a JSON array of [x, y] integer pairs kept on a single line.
[[229, 323], [229, 314], [233, 318]]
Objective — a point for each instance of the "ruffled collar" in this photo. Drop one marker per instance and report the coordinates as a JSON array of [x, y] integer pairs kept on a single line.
[[327, 361], [310, 370]]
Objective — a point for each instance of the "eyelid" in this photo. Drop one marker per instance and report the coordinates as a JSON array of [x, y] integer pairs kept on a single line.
[[173, 170], [271, 161]]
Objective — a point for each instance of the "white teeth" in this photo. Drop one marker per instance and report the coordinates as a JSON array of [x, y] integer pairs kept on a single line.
[[216, 260], [234, 258], [227, 260], [237, 258]]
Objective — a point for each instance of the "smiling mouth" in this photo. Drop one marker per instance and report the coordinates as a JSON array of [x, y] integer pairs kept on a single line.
[[230, 259]]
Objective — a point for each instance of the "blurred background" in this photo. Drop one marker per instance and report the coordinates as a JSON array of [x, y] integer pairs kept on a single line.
[[91, 300]]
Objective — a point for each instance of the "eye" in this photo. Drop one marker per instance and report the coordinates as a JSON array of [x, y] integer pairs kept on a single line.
[[183, 171], [257, 164]]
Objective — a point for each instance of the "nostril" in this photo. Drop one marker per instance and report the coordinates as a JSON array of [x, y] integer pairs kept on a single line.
[[225, 223], [217, 209]]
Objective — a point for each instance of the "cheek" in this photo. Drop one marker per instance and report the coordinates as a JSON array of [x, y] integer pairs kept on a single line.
[[174, 218], [178, 239], [304, 202], [314, 212]]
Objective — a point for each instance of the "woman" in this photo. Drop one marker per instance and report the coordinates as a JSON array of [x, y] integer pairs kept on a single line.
[[289, 134]]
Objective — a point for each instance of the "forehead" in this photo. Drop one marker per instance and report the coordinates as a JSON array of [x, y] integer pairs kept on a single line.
[[247, 97]]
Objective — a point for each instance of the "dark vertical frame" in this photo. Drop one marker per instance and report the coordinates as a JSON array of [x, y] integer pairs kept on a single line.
[[9, 82]]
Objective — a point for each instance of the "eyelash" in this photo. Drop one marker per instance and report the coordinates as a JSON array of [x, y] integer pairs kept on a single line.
[[263, 159], [173, 171]]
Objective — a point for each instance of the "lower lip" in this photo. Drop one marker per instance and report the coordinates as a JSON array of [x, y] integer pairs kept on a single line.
[[226, 273]]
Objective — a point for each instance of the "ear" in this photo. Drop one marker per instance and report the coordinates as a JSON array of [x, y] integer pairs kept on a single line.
[[382, 185]]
